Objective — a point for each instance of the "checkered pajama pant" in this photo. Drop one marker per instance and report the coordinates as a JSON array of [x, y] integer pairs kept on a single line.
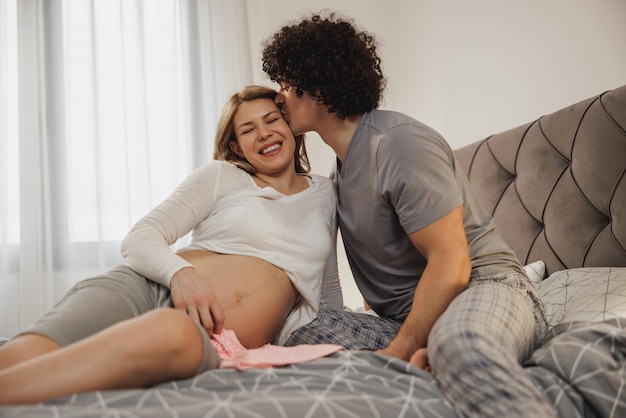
[[475, 348]]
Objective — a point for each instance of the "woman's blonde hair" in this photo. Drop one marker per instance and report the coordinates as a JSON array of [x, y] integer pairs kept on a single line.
[[226, 131]]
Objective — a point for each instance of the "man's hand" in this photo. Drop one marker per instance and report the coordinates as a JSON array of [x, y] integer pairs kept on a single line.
[[193, 295], [420, 359], [417, 359], [395, 350]]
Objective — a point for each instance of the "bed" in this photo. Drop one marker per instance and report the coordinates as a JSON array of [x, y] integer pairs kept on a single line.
[[557, 190]]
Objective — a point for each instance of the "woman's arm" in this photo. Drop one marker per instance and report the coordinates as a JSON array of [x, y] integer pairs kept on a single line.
[[146, 248]]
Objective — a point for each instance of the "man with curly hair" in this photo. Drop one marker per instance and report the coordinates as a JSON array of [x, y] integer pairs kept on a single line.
[[451, 296]]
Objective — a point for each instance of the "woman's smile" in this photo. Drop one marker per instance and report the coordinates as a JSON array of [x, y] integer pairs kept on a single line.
[[273, 148]]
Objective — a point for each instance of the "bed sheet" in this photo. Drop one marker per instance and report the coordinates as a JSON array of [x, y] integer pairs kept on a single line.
[[581, 368]]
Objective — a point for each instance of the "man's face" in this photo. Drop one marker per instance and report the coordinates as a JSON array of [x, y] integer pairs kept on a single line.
[[302, 113]]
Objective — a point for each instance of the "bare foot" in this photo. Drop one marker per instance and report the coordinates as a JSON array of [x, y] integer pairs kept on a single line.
[[420, 359]]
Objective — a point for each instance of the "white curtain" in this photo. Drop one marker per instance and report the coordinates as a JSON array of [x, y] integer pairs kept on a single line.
[[105, 106]]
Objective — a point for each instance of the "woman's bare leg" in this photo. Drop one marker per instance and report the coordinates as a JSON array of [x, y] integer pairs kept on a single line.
[[160, 345], [25, 347]]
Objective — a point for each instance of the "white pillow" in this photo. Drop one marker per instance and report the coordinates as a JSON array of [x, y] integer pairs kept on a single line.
[[584, 294], [536, 271]]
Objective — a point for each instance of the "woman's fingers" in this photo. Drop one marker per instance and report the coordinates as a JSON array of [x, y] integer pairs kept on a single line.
[[206, 317], [217, 315], [192, 312], [192, 294]]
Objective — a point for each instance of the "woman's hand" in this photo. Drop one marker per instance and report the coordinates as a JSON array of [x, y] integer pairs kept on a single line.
[[193, 295]]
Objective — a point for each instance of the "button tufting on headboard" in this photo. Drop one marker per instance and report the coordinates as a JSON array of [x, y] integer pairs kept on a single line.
[[556, 187]]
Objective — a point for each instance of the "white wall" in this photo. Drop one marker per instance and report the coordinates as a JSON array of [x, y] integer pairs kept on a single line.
[[471, 69]]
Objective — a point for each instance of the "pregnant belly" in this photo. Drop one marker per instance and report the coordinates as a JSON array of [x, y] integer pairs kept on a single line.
[[256, 296]]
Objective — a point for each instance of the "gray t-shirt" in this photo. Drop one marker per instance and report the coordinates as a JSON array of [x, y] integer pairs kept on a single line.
[[399, 176]]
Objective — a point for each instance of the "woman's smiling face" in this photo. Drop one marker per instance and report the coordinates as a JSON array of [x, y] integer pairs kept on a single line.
[[263, 137]]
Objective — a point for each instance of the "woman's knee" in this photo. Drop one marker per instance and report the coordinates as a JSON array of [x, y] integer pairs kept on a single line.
[[174, 328], [179, 338]]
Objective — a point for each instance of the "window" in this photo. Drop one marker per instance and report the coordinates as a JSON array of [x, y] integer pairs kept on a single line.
[[105, 106], [9, 163]]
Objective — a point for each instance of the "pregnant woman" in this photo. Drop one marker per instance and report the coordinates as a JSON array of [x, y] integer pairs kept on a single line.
[[261, 260]]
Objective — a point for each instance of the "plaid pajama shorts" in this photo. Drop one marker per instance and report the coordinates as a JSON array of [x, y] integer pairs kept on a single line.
[[354, 331]]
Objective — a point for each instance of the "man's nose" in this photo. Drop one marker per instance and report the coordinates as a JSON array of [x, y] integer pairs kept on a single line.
[[279, 99]]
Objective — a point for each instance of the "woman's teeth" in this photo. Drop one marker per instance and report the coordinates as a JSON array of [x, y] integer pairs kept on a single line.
[[270, 148]]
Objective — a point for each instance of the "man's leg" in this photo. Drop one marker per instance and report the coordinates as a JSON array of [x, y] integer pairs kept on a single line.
[[476, 348]]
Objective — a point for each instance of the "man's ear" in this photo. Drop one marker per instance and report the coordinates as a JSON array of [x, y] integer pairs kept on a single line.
[[234, 147]]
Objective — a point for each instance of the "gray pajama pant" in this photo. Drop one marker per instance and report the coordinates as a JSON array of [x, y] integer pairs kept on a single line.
[[475, 348], [95, 304], [478, 345]]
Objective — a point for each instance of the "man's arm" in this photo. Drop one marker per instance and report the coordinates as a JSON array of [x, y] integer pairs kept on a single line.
[[444, 245]]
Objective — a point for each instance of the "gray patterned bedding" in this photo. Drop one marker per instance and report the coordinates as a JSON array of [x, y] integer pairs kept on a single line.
[[581, 367]]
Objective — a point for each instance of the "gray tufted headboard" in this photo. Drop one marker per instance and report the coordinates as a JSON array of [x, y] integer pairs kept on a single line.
[[556, 187]]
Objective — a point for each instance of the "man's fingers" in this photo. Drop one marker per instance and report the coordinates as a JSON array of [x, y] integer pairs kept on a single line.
[[420, 359]]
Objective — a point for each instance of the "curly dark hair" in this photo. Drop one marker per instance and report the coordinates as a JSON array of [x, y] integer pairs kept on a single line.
[[326, 56]]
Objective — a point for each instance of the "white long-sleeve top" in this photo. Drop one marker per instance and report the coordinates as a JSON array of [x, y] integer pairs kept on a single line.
[[229, 214]]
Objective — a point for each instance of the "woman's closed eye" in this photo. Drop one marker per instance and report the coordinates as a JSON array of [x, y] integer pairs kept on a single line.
[[252, 128], [266, 119]]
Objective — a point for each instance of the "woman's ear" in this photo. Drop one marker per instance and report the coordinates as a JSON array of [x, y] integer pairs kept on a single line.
[[234, 147]]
